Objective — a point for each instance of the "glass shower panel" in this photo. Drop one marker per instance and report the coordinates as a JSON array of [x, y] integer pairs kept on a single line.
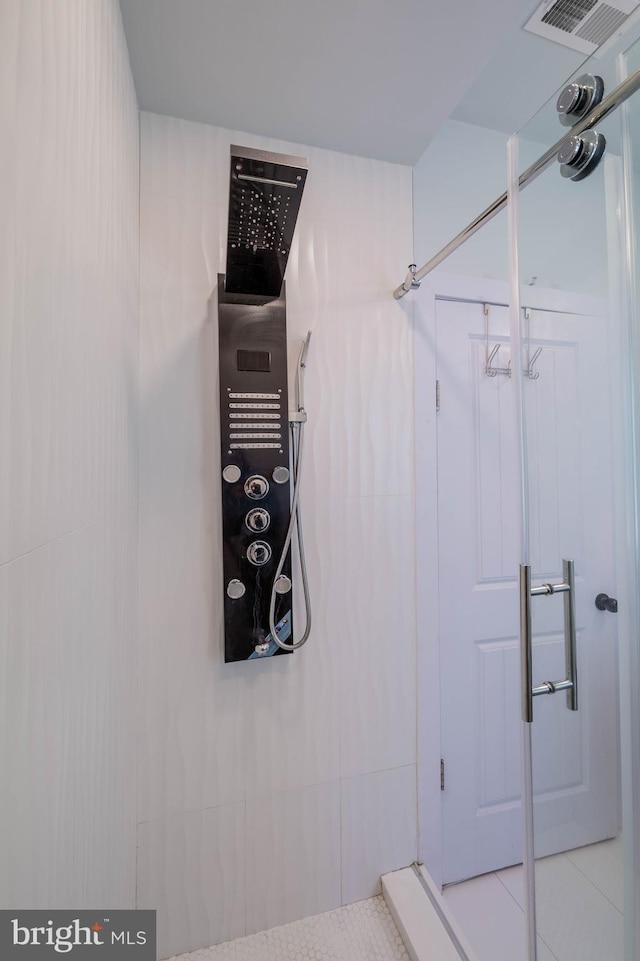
[[574, 348], [629, 500]]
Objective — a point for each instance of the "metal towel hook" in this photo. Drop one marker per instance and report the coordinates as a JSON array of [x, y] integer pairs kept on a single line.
[[491, 353], [531, 360]]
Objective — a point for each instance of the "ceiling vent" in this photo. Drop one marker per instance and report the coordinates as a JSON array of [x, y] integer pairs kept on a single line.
[[582, 25]]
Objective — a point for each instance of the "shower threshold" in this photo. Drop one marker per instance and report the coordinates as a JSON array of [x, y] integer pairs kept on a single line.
[[423, 918]]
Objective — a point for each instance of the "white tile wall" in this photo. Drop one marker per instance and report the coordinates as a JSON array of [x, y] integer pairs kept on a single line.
[[191, 870], [378, 829], [68, 454], [280, 736], [378, 543], [292, 836], [67, 623]]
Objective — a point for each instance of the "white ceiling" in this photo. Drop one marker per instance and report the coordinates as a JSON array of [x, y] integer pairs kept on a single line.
[[523, 73], [370, 77]]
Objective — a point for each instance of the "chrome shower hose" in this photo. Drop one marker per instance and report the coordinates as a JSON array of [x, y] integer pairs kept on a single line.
[[297, 437]]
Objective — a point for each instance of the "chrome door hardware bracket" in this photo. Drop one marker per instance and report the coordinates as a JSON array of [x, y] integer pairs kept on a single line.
[[579, 156], [596, 115], [578, 98], [570, 682]]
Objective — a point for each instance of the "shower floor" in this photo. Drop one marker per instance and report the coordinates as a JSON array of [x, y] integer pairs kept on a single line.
[[585, 885], [364, 931]]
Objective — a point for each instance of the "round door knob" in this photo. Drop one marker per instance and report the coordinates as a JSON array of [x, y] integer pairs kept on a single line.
[[258, 553], [256, 487], [258, 519], [605, 603]]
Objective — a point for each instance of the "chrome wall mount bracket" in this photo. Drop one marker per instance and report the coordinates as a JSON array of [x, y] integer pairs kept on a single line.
[[409, 283]]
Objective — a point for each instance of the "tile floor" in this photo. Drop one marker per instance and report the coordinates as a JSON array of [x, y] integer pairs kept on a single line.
[[579, 906], [363, 931]]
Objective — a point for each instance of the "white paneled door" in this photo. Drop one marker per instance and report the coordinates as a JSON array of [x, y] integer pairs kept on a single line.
[[570, 515]]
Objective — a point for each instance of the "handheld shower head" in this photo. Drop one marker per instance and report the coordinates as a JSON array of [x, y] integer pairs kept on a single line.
[[302, 363], [304, 350]]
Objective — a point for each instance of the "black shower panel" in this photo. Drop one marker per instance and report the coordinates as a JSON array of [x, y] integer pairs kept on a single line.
[[254, 439], [265, 190]]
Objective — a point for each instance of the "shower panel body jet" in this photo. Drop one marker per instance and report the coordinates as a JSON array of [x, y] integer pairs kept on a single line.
[[264, 199]]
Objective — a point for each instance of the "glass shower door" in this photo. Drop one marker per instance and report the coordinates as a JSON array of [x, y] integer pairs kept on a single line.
[[575, 573]]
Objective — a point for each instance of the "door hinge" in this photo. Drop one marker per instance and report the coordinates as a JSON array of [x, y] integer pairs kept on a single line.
[[437, 395], [442, 774]]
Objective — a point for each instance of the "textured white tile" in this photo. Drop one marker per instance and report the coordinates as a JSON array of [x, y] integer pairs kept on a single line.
[[288, 733], [378, 829], [185, 243], [69, 297], [191, 717], [377, 631], [358, 390], [182, 159], [68, 659], [359, 932], [69, 332], [191, 870], [292, 714], [293, 855], [213, 733]]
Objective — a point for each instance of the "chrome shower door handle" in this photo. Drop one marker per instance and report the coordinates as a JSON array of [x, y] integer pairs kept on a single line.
[[570, 637], [570, 682], [526, 645]]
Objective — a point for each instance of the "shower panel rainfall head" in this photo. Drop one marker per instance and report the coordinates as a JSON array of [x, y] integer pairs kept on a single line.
[[265, 191]]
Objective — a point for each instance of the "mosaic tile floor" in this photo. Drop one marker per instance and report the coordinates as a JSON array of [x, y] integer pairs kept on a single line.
[[358, 932]]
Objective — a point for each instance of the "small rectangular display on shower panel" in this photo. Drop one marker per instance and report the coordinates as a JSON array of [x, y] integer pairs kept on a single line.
[[254, 406], [236, 396], [258, 360]]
